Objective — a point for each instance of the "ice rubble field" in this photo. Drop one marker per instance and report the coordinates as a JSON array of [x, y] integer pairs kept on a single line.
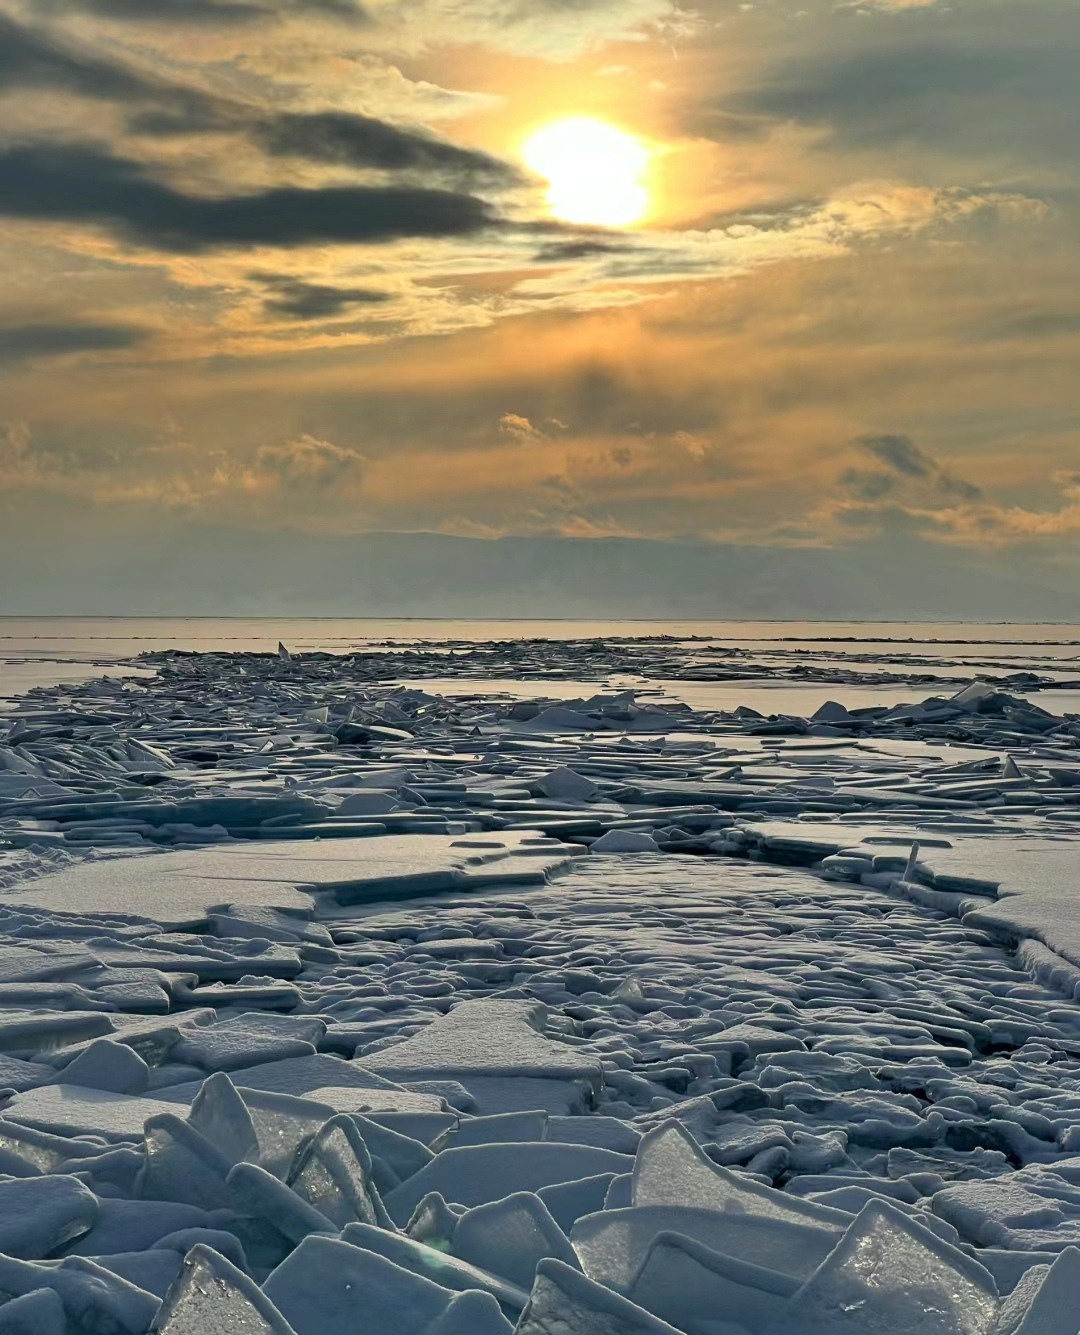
[[331, 1006]]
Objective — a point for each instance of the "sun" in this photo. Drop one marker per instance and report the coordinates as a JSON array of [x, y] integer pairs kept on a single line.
[[595, 172]]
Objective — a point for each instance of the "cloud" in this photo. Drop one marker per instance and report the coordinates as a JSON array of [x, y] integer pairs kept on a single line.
[[905, 459], [28, 342], [362, 141], [900, 453], [917, 496], [80, 183], [314, 301], [543, 29], [159, 107], [33, 59], [937, 79], [193, 12], [309, 462]]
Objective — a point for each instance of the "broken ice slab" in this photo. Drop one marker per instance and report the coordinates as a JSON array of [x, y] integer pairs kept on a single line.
[[211, 1294], [355, 1099], [490, 1045], [39, 1312], [262, 1196], [333, 1174], [1046, 1301], [327, 1285], [39, 1215], [40, 1031], [476, 1174], [614, 1242], [890, 1274], [687, 1284], [94, 1299], [219, 1114], [431, 1262], [563, 1300], [181, 1165], [76, 1111], [1035, 883], [282, 1123], [181, 890], [511, 1236], [297, 1076], [671, 1169]]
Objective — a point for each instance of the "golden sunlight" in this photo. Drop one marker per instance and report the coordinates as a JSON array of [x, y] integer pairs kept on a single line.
[[595, 172]]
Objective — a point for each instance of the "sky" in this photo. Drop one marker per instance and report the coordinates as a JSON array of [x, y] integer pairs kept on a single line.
[[596, 305]]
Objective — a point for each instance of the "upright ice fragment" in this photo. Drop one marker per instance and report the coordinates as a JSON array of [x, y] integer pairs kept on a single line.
[[890, 1274], [211, 1295], [220, 1114], [182, 1165], [1046, 1301], [564, 1302], [511, 1236], [327, 1287], [671, 1169], [333, 1174], [688, 1284]]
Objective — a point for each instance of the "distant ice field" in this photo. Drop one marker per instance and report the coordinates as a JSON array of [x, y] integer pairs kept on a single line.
[[48, 651]]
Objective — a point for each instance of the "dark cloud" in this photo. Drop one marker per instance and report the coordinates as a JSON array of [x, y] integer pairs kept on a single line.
[[906, 461], [941, 82], [352, 140], [867, 486], [577, 250], [25, 342], [344, 139], [191, 12], [900, 453], [30, 58], [82, 184], [298, 300], [1034, 325]]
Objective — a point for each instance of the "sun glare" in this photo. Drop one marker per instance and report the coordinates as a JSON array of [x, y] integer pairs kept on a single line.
[[595, 172]]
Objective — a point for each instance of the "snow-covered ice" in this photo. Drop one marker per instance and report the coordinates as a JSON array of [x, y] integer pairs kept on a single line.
[[329, 1003]]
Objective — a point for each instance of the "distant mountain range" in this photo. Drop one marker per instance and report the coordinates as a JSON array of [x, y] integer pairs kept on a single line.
[[182, 569]]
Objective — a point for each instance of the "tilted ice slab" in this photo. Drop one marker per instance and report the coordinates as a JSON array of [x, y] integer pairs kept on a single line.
[[890, 1275], [179, 890]]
